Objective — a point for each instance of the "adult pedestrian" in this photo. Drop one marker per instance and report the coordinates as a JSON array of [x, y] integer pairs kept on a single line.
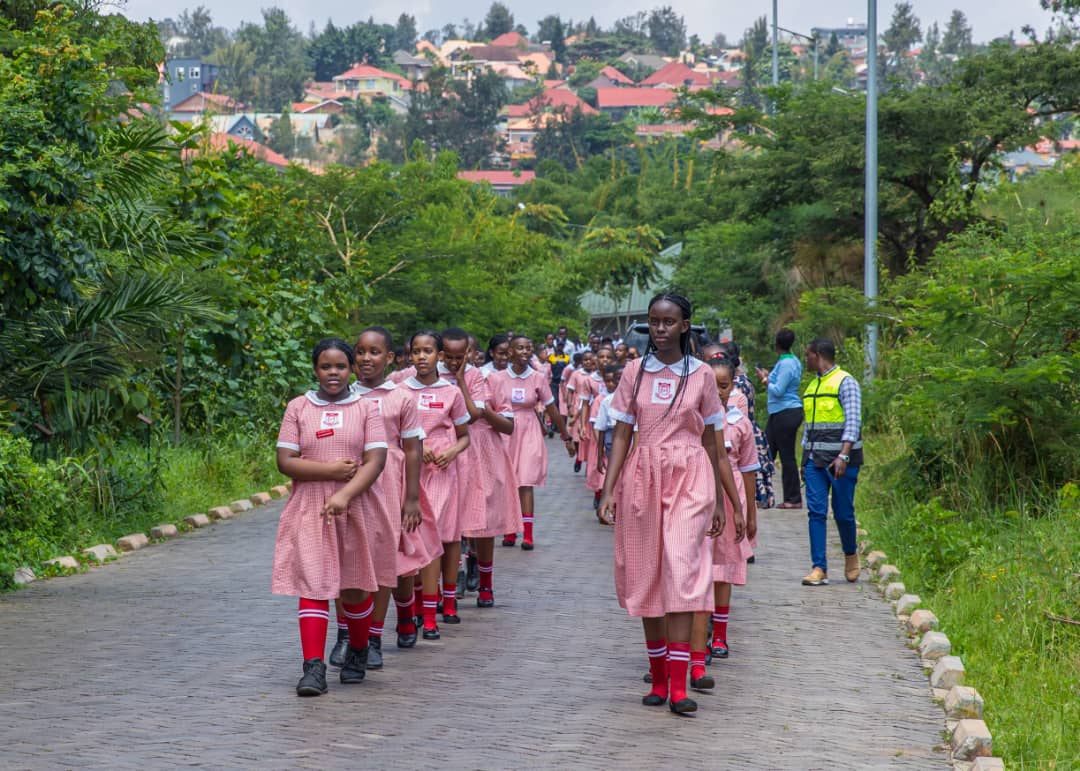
[[785, 414], [832, 456], [561, 344]]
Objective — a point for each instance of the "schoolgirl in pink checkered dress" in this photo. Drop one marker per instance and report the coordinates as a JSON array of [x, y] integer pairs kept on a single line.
[[445, 421], [664, 495], [332, 444]]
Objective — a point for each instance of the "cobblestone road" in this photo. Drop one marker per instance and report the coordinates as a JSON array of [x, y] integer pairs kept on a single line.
[[178, 655]]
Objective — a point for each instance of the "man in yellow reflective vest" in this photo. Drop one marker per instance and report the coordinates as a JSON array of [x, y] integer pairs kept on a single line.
[[832, 457]]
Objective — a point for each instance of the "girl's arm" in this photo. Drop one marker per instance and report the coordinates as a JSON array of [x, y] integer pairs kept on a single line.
[[500, 423], [444, 458], [599, 450], [475, 413], [560, 426], [749, 484], [374, 461], [620, 446], [300, 469], [410, 507]]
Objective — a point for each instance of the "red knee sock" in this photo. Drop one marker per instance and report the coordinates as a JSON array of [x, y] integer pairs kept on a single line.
[[678, 663], [418, 599], [314, 616], [658, 666], [406, 623], [719, 624], [342, 625], [449, 599], [431, 602], [359, 619], [487, 574], [375, 630], [527, 522], [697, 665]]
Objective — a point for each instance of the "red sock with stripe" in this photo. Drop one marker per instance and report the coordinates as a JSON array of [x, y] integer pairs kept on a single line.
[[359, 619], [431, 603], [375, 630], [406, 621], [719, 624], [678, 663], [449, 599], [658, 667], [487, 574], [314, 617], [697, 665], [418, 599], [527, 523], [342, 625]]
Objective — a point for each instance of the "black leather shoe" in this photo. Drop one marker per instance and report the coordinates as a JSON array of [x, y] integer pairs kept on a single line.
[[577, 466], [653, 700], [527, 546], [337, 655], [486, 599], [472, 573], [406, 640], [374, 654], [683, 706], [750, 560], [313, 683], [451, 618], [648, 677], [432, 634], [704, 682], [708, 656], [510, 540], [720, 651], [352, 671], [419, 621]]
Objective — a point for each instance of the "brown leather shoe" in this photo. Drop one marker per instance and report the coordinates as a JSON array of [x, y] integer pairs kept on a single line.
[[851, 568], [817, 577]]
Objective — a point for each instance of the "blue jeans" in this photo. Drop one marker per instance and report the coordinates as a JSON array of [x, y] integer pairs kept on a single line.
[[818, 483]]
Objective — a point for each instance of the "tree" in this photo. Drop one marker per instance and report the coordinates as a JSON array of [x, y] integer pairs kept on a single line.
[[634, 26], [929, 60], [498, 21], [281, 70], [667, 30], [551, 29], [203, 38], [236, 70], [903, 33], [404, 34], [957, 40], [834, 47], [457, 114], [282, 139]]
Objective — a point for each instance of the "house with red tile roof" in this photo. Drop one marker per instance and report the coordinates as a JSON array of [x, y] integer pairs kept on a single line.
[[365, 80], [510, 40], [677, 75], [502, 182], [203, 102], [618, 101], [225, 143], [617, 78], [325, 107]]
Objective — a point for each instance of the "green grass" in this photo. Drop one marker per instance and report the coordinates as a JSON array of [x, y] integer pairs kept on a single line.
[[127, 496], [994, 577]]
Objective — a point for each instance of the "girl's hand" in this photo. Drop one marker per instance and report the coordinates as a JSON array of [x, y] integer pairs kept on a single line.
[[429, 456], [601, 466], [740, 525], [751, 526], [342, 470], [606, 512], [571, 447], [443, 459], [337, 505], [410, 516], [718, 521]]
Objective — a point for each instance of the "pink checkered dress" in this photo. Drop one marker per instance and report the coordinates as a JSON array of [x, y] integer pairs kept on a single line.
[[315, 556], [498, 480], [528, 453], [729, 558], [397, 553], [666, 490], [440, 407]]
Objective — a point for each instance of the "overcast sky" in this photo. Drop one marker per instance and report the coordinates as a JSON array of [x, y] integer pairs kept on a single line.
[[989, 18]]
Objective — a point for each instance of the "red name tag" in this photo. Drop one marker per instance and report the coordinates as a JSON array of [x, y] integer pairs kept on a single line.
[[324, 433], [436, 405]]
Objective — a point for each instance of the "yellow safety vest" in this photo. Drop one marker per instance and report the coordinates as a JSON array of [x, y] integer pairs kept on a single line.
[[825, 419]]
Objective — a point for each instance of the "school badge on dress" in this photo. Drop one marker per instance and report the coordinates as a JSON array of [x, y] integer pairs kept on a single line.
[[663, 391], [517, 395], [426, 401]]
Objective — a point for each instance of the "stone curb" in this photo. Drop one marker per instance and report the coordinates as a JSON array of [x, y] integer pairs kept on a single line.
[[970, 741], [165, 531]]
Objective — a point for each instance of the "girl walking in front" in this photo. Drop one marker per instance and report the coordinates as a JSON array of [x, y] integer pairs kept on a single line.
[[332, 444], [665, 495]]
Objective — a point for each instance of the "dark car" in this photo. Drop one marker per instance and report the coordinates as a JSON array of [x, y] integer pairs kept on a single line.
[[637, 336]]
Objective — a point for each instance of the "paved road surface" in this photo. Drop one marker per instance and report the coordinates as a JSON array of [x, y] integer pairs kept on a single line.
[[178, 655]]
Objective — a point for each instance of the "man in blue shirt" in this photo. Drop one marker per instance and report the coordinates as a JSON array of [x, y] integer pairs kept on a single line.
[[785, 414]]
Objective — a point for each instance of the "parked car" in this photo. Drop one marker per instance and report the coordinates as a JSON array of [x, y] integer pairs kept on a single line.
[[637, 336]]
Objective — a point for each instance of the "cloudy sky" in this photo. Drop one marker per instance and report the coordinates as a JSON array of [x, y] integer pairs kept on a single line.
[[989, 18]]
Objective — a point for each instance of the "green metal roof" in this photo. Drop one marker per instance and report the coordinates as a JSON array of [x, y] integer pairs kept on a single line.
[[637, 304]]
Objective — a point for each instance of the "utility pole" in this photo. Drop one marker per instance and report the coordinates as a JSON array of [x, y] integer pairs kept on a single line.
[[870, 266], [775, 48]]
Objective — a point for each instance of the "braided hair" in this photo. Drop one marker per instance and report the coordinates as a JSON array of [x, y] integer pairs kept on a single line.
[[684, 346]]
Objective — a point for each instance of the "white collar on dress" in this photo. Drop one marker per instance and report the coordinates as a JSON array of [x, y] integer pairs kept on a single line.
[[595, 375], [528, 371], [733, 414], [386, 385], [313, 397], [651, 364], [416, 385]]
